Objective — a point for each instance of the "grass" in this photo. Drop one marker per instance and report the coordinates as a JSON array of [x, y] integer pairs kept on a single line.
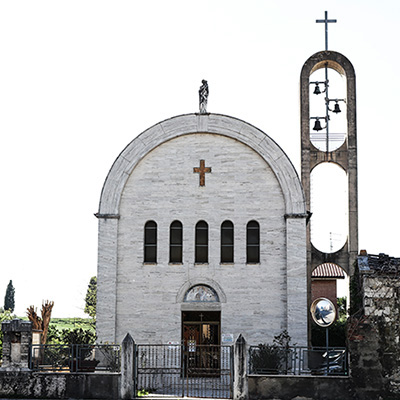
[[69, 323], [72, 323]]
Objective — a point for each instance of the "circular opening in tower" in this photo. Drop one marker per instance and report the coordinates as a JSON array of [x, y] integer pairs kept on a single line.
[[329, 207]]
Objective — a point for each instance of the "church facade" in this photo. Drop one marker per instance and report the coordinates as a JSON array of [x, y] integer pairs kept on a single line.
[[202, 237]]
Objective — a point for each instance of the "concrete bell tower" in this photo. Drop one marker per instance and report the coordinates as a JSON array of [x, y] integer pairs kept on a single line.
[[344, 155]]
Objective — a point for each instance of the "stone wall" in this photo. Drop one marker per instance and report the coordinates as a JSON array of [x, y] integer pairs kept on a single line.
[[296, 387], [28, 384], [374, 331], [16, 341], [153, 179], [151, 289]]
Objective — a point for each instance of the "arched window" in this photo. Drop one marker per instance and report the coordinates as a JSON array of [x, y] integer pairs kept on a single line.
[[150, 242], [227, 242], [201, 240], [201, 293], [175, 242], [253, 243]]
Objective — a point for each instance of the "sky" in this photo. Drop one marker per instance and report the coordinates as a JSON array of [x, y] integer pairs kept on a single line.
[[80, 79]]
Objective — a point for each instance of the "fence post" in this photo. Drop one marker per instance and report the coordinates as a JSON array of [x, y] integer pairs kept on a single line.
[[127, 389], [240, 384]]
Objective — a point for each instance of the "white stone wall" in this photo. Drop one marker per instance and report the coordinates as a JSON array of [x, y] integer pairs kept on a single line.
[[161, 186]]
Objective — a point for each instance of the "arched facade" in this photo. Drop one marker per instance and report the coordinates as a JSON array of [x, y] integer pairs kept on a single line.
[[210, 168]]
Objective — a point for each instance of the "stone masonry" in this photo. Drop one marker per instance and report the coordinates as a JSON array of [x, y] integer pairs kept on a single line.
[[16, 341], [153, 179], [374, 330]]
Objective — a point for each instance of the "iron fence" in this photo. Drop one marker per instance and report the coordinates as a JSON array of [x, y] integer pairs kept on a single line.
[[193, 371], [75, 358], [295, 360], [159, 367]]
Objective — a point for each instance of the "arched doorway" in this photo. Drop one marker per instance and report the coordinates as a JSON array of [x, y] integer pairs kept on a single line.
[[201, 331]]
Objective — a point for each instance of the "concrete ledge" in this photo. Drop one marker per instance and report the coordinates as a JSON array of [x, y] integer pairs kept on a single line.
[[284, 387], [58, 385]]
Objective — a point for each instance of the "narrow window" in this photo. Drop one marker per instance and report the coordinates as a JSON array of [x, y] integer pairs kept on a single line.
[[253, 242], [150, 242], [175, 242], [227, 242], [201, 247]]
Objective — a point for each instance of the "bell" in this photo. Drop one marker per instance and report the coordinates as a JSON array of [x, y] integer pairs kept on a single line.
[[317, 126], [337, 109], [317, 90]]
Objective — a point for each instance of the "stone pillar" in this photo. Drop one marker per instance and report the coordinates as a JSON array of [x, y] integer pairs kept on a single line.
[[17, 337], [107, 279], [128, 390], [296, 278], [240, 383]]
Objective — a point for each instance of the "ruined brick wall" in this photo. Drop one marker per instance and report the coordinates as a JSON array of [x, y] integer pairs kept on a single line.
[[374, 337]]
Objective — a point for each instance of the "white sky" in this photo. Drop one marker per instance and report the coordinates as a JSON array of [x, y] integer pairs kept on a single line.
[[80, 79]]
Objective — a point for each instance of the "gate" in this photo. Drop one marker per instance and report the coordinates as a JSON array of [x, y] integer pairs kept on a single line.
[[186, 371]]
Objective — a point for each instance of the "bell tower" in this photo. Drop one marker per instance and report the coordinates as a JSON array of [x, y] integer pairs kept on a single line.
[[326, 142]]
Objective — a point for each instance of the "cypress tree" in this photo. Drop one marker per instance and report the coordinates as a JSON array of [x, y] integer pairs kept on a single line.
[[91, 298], [9, 301]]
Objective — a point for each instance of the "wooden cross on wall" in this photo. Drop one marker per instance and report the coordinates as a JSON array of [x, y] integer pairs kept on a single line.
[[202, 171]]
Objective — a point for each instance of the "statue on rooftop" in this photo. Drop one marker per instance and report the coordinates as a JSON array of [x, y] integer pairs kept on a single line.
[[203, 96]]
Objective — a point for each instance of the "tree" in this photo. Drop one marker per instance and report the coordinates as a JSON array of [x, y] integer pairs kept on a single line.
[[41, 324], [91, 298], [9, 302]]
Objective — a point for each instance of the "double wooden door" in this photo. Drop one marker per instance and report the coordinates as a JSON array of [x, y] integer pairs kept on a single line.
[[201, 339]]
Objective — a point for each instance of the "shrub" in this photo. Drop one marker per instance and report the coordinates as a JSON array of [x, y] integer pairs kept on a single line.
[[272, 358], [77, 336]]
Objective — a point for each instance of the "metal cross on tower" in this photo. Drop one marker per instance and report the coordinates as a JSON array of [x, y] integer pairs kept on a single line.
[[326, 21]]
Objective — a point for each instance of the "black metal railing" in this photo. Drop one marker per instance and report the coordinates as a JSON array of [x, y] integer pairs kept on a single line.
[[203, 371], [295, 360], [159, 366], [75, 358]]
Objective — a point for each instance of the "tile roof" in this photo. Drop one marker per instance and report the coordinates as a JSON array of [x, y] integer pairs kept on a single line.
[[328, 270]]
